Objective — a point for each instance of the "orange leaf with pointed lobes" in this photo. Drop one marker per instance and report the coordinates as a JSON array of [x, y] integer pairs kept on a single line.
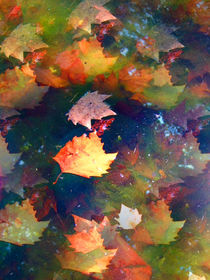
[[71, 66], [94, 60], [133, 79], [84, 156], [85, 241]]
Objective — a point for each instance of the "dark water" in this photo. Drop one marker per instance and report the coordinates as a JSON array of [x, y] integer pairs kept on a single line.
[[159, 89]]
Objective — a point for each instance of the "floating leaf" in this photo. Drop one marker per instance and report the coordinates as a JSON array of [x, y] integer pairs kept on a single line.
[[164, 97], [162, 229], [114, 266], [22, 39], [85, 241], [19, 225], [128, 218], [19, 90], [133, 79], [94, 60], [90, 106], [89, 12], [84, 156], [7, 160], [196, 277]]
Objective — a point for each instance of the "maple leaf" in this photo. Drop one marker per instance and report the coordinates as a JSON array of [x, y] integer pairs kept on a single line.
[[90, 106], [22, 178], [19, 90], [115, 266], [43, 200], [19, 225], [157, 39], [89, 12], [164, 97], [7, 160], [84, 156], [71, 66], [133, 79], [46, 77], [93, 58], [128, 218], [6, 112], [160, 226], [90, 256], [180, 115], [192, 161], [85, 241], [196, 277], [22, 39], [161, 76]]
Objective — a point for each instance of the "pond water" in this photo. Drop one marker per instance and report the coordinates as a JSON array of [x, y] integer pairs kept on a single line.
[[104, 145]]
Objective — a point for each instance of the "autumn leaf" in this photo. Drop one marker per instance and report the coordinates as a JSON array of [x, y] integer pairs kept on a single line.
[[192, 160], [43, 200], [19, 225], [161, 76], [196, 277], [19, 90], [89, 256], [46, 77], [128, 218], [71, 66], [85, 241], [22, 39], [115, 266], [165, 97], [89, 12], [7, 160], [84, 156], [90, 106], [133, 79], [94, 60], [159, 224], [22, 178]]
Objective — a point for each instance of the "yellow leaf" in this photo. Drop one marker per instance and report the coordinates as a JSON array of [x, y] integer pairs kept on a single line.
[[196, 277], [84, 156], [93, 58], [161, 76], [19, 224]]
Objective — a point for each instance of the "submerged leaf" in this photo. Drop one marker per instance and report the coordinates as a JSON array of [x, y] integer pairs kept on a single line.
[[19, 89], [19, 225], [89, 12], [159, 224], [23, 39], [7, 160]]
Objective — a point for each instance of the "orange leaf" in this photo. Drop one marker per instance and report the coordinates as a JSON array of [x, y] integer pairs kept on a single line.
[[46, 77], [134, 80], [93, 58], [71, 66], [84, 156], [109, 84], [85, 241], [18, 89]]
